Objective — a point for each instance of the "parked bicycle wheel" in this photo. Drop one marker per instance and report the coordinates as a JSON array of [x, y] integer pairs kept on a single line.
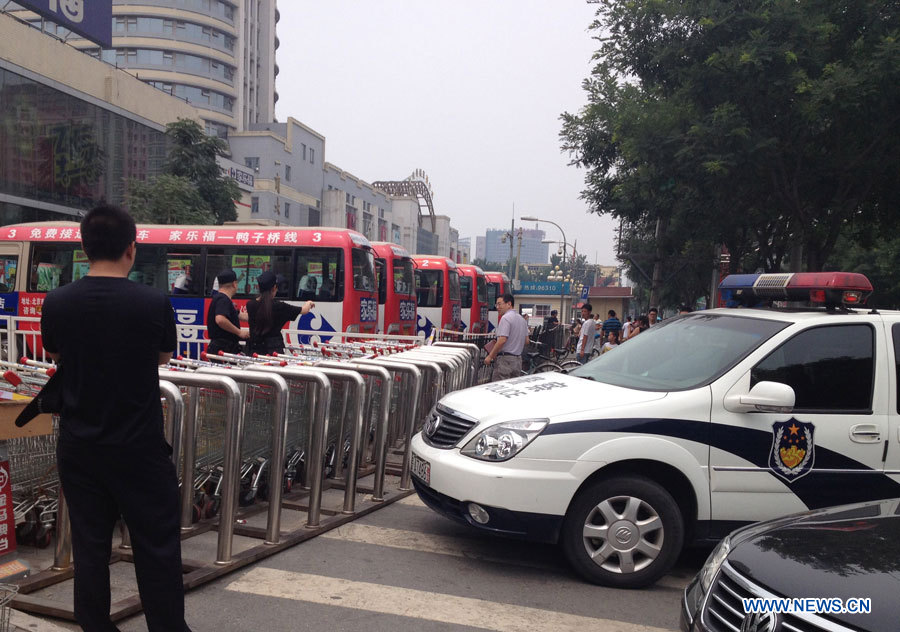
[[547, 367], [569, 365]]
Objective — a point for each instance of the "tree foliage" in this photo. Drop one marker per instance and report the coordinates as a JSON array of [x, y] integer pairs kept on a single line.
[[192, 189], [762, 125]]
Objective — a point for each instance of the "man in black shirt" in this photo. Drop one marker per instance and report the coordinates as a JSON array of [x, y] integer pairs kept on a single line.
[[109, 335], [223, 321]]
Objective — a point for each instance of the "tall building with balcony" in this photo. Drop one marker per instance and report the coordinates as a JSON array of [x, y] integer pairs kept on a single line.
[[219, 55]]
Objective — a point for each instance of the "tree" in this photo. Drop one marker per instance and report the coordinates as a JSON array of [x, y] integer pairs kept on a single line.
[[192, 189], [764, 125]]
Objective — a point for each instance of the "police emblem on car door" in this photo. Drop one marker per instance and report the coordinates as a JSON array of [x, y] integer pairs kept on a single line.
[[793, 449]]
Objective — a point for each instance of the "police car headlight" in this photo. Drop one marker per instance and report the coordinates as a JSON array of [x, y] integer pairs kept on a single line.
[[713, 563], [504, 441]]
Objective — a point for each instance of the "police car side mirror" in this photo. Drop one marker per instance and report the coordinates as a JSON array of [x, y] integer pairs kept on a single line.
[[765, 397]]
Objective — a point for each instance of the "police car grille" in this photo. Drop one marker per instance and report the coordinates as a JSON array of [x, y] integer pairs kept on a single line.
[[451, 429], [725, 613]]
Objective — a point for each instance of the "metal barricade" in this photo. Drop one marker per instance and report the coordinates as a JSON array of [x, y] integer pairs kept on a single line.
[[233, 429], [250, 379], [381, 427], [409, 402], [475, 356]]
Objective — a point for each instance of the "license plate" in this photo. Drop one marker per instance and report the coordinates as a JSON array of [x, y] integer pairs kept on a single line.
[[421, 469]]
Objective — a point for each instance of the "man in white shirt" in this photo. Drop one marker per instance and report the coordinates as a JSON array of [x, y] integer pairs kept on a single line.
[[512, 334], [586, 337]]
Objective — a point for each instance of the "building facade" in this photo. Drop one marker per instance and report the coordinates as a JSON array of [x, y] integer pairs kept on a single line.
[[533, 251], [73, 130], [286, 161], [219, 55]]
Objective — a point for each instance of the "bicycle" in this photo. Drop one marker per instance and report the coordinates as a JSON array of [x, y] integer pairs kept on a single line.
[[537, 361]]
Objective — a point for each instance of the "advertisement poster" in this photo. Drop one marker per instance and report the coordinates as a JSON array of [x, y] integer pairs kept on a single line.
[[80, 264], [7, 517], [239, 265], [256, 265], [179, 274], [8, 274], [48, 276]]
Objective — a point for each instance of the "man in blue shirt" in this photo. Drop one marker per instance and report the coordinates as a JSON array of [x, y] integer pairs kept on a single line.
[[611, 324]]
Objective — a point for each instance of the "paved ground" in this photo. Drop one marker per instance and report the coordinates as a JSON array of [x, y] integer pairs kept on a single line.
[[405, 568]]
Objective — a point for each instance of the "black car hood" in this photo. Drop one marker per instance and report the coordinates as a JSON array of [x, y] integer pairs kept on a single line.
[[850, 551]]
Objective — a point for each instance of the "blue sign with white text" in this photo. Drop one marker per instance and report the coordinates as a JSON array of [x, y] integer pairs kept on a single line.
[[92, 19]]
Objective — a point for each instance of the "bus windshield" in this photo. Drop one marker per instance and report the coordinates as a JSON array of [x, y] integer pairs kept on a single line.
[[430, 288], [453, 285], [363, 269], [465, 292], [481, 289], [493, 292], [403, 277]]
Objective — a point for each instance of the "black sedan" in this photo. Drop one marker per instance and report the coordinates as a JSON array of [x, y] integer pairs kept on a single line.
[[830, 570]]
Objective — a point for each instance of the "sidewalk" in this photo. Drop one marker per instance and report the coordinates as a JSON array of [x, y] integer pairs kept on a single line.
[[23, 622]]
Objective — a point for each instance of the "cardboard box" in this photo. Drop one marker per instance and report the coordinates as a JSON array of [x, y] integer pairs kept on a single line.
[[9, 410]]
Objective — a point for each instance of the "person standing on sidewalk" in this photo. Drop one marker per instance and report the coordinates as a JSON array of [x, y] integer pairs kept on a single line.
[[223, 321], [109, 335], [512, 334], [586, 336]]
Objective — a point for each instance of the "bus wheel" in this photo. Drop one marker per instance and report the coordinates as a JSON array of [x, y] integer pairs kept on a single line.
[[624, 532]]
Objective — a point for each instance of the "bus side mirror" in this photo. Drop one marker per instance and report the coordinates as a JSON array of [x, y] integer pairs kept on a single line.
[[765, 397]]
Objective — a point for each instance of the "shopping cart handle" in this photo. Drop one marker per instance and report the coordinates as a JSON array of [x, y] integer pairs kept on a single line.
[[12, 378]]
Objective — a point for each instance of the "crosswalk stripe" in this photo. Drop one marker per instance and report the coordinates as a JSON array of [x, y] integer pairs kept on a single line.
[[442, 545], [419, 604]]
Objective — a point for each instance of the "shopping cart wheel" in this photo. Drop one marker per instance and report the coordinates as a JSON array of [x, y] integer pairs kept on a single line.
[[247, 494], [42, 536], [329, 461], [211, 508]]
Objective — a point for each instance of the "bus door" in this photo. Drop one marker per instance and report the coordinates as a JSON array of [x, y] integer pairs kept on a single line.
[[430, 293], [10, 258]]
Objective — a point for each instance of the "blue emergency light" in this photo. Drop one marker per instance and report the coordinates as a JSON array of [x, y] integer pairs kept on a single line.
[[824, 288]]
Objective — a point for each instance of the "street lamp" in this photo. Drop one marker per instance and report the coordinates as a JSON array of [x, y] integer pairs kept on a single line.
[[531, 218]]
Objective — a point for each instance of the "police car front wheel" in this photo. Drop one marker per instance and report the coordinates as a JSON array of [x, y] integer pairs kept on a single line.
[[624, 532]]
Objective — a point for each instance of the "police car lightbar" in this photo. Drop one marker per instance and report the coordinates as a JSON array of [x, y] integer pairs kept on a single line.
[[828, 288]]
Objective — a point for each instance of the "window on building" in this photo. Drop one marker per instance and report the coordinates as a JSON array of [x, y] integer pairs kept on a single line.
[[252, 162], [254, 205], [287, 173], [312, 156], [303, 150], [287, 209]]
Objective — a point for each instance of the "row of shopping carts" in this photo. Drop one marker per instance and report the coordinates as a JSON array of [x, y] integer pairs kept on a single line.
[[393, 386]]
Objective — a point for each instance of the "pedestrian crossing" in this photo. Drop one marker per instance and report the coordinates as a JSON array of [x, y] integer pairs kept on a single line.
[[316, 587], [419, 604]]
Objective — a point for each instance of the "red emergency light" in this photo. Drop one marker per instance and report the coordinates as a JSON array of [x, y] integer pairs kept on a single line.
[[823, 288]]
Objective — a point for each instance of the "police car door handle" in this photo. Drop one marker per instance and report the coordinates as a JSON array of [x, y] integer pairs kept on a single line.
[[865, 433]]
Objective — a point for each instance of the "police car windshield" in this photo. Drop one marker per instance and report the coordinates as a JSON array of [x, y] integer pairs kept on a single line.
[[682, 353]]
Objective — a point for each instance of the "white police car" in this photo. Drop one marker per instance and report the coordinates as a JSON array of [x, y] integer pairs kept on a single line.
[[699, 425]]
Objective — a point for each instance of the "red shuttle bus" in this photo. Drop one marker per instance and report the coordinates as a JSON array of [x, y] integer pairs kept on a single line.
[[497, 285], [473, 299], [333, 267], [437, 294], [396, 289]]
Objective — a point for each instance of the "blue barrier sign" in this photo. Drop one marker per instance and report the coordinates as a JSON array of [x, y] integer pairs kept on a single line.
[[92, 19]]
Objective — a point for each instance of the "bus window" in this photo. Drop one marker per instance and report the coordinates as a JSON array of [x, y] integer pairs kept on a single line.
[[429, 288], [465, 292], [247, 265], [150, 267], [481, 290], [403, 276], [52, 266], [363, 269], [183, 270], [9, 264], [453, 285], [319, 274], [381, 280]]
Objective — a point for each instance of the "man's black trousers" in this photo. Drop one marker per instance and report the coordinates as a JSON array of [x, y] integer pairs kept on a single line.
[[137, 482]]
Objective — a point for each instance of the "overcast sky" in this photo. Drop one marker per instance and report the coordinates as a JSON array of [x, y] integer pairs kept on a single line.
[[469, 90]]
